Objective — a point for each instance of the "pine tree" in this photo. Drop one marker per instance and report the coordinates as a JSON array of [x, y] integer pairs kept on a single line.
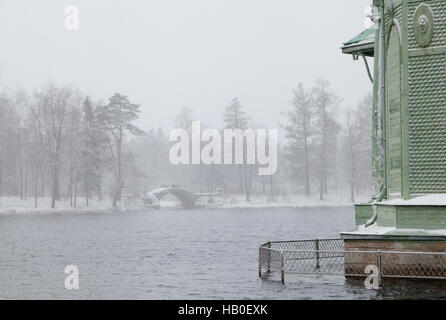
[[93, 144], [117, 118], [236, 118], [325, 102], [184, 119], [299, 132], [186, 175]]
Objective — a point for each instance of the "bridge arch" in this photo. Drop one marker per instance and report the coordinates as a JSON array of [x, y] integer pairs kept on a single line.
[[186, 198]]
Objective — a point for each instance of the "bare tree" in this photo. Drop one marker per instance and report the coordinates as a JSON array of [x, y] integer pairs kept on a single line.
[[74, 147], [357, 147], [52, 105], [351, 152], [20, 102]]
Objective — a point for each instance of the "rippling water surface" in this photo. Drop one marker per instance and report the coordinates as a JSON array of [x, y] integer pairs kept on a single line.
[[164, 254]]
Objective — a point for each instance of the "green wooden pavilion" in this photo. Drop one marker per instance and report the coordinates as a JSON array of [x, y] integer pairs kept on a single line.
[[408, 209]]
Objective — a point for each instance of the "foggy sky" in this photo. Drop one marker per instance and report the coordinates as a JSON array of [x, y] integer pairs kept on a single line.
[[166, 54]]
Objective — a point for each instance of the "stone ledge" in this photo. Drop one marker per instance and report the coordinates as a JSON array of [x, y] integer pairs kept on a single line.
[[392, 237], [376, 232], [404, 216]]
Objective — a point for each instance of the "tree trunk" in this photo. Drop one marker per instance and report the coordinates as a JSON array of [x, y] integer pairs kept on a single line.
[[246, 183], [43, 184], [55, 188], [307, 170], [36, 176], [240, 177], [25, 187], [119, 177], [321, 190], [21, 178], [75, 194], [271, 187], [353, 184], [324, 153], [352, 191]]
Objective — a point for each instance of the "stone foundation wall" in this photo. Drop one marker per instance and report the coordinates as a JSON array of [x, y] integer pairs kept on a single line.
[[392, 264], [393, 245]]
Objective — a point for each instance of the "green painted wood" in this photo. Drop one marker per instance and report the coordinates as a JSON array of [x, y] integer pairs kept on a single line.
[[421, 217], [404, 99], [406, 217], [414, 123], [363, 212], [384, 104], [439, 12], [366, 35], [394, 112], [376, 170], [427, 121], [386, 216]]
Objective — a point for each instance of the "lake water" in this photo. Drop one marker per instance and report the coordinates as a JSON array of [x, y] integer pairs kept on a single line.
[[172, 254]]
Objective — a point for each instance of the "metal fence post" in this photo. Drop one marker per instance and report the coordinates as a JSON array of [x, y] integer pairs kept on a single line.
[[282, 267], [260, 261], [317, 254], [379, 265], [268, 269]]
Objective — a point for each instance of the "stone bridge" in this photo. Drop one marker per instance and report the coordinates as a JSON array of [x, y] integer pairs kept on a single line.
[[187, 199]]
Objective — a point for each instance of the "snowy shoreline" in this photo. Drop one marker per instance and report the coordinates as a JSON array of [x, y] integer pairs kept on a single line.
[[16, 206], [294, 201]]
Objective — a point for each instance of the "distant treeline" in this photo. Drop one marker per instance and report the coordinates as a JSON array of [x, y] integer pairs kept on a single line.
[[57, 142], [327, 150]]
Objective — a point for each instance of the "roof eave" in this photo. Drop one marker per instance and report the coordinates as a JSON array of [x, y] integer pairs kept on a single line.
[[360, 48]]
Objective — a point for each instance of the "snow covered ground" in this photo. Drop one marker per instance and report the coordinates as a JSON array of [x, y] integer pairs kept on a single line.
[[428, 200], [14, 205], [292, 201]]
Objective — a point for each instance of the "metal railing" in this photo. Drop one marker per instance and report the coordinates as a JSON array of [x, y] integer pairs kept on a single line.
[[328, 257]]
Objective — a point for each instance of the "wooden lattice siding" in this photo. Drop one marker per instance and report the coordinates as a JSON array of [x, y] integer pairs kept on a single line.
[[397, 15], [438, 9], [427, 123]]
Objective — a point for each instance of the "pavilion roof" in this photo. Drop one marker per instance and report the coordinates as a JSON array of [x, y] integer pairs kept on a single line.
[[363, 43]]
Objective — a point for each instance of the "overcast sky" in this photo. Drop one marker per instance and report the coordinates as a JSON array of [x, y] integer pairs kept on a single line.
[[165, 54]]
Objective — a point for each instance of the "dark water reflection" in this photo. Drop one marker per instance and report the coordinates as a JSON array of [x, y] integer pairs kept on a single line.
[[165, 254]]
